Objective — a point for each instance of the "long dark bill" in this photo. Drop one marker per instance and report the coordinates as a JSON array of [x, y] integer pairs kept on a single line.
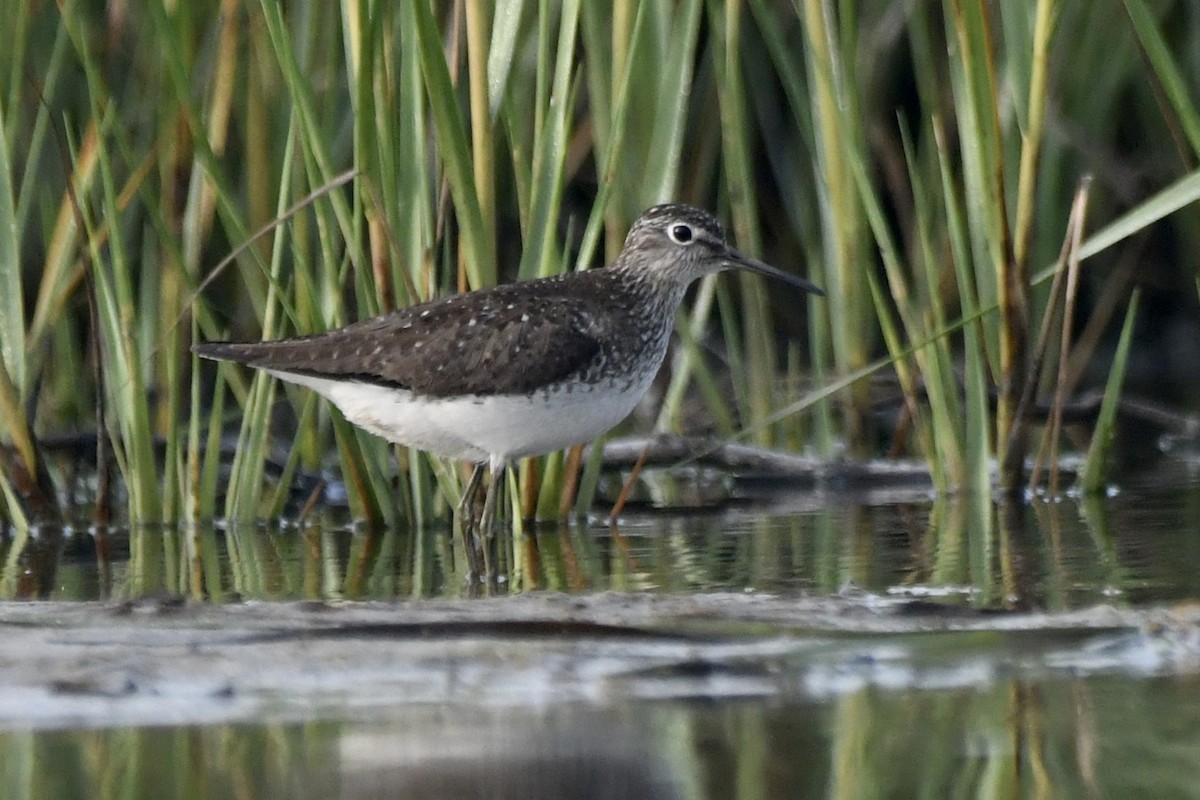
[[738, 261]]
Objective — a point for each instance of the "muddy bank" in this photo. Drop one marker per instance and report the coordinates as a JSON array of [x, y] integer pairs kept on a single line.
[[165, 661]]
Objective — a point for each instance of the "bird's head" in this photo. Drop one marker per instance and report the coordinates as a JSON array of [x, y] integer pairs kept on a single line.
[[679, 243]]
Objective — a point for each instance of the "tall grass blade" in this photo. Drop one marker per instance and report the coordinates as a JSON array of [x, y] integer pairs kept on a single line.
[[12, 330], [506, 24], [482, 138], [1095, 466], [477, 250], [1035, 115], [1178, 88], [833, 105], [1179, 194], [122, 363], [12, 290], [243, 501], [978, 105], [942, 477], [676, 75], [736, 129], [539, 254], [315, 141], [611, 140]]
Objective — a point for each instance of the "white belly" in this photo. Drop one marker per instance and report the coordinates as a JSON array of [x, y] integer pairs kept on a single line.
[[475, 428]]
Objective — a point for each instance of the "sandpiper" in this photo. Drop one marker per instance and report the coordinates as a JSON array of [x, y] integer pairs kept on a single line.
[[517, 370]]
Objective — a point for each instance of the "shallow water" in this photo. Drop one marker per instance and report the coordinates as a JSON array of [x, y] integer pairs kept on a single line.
[[1082, 738], [1139, 546], [784, 646]]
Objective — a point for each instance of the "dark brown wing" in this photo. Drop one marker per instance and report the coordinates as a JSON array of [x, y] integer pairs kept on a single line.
[[508, 340]]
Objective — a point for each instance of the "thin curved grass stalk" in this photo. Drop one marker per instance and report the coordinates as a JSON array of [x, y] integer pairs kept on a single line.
[[1071, 293], [1065, 280]]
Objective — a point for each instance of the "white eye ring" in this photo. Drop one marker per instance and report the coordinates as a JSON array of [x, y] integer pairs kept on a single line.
[[681, 233]]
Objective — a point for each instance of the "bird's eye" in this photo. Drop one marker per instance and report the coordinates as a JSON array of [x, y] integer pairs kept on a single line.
[[680, 234]]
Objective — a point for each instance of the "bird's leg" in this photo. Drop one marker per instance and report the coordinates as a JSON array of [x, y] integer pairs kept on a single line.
[[498, 468], [465, 518], [496, 485], [466, 505]]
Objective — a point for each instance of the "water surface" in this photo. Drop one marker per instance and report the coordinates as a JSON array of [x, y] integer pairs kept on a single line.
[[781, 646]]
